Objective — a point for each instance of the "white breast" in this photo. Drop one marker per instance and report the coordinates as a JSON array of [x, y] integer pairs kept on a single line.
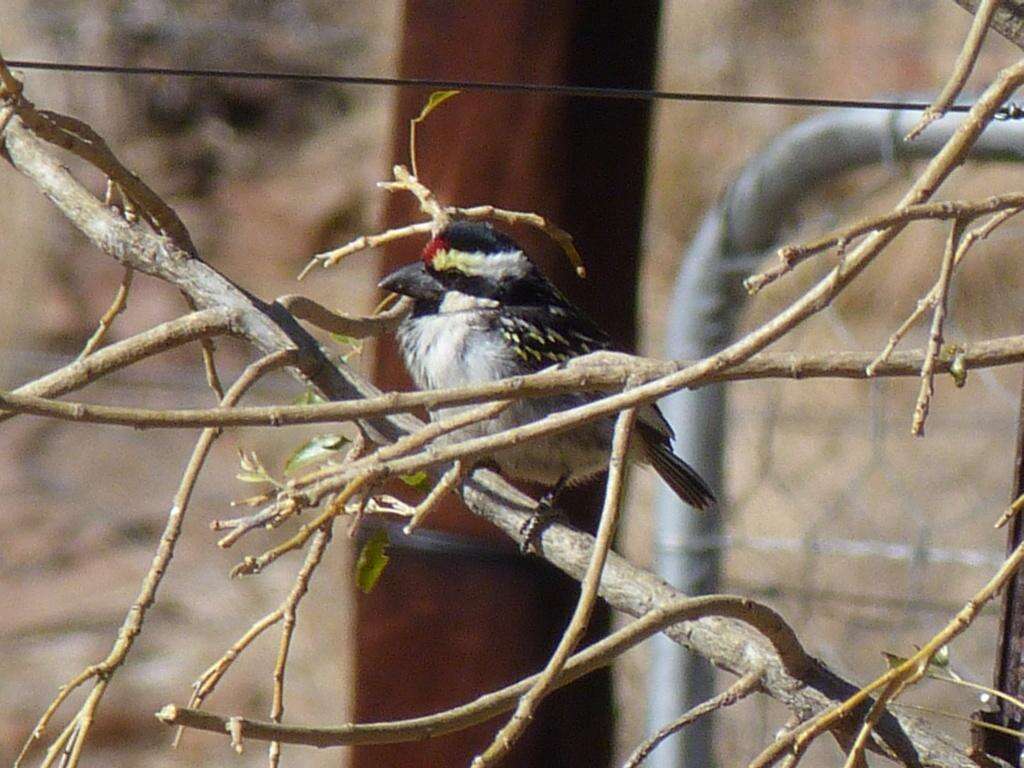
[[454, 347]]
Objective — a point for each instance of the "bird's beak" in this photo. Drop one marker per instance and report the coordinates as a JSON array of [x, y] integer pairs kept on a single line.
[[413, 280]]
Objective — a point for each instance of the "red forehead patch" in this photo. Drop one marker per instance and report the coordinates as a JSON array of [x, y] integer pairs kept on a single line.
[[435, 245]]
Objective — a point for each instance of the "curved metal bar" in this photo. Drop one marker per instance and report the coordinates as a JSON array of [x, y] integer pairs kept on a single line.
[[735, 236]]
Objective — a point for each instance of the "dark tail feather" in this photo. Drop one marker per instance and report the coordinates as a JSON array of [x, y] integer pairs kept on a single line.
[[680, 476]]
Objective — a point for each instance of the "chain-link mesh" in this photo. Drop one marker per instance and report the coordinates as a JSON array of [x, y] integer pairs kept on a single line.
[[867, 539]]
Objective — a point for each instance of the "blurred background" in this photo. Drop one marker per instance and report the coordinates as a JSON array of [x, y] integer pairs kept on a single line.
[[865, 539]]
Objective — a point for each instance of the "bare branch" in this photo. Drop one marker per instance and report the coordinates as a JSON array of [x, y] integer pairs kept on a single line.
[[903, 675], [966, 210], [598, 372], [449, 480], [552, 230], [598, 655], [207, 681], [132, 625], [855, 758], [429, 204], [979, 233], [735, 692], [288, 611], [935, 337], [271, 328], [332, 257], [961, 68], [81, 140], [440, 216], [1008, 514], [1007, 21], [370, 470], [510, 733], [350, 325], [207, 322], [116, 308]]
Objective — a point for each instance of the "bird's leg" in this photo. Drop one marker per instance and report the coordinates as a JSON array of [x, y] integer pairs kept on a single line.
[[545, 511]]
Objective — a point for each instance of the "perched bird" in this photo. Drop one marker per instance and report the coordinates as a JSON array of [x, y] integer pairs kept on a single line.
[[483, 311]]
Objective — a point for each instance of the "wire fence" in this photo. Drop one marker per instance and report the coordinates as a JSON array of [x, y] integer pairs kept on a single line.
[[864, 538], [867, 539]]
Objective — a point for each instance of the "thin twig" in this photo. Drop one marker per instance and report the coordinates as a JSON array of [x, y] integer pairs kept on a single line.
[[510, 733], [923, 305], [404, 181], [364, 242], [116, 308], [207, 682], [598, 655], [80, 139], [210, 367], [271, 517], [155, 256], [335, 478], [581, 375], [441, 488], [211, 676], [800, 738], [288, 611], [1013, 509], [357, 327], [209, 356], [375, 470], [735, 692], [967, 210], [924, 397], [440, 216], [552, 230], [961, 68], [855, 758], [133, 621], [274, 516], [174, 333], [19, 147]]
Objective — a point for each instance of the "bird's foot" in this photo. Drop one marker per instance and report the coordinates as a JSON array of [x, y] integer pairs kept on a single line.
[[543, 514]]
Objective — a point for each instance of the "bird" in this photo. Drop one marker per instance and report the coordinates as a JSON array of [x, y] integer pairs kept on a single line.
[[483, 311]]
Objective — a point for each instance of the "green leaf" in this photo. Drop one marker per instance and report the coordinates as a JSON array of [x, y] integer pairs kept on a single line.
[[436, 99], [938, 665], [355, 346], [345, 340], [893, 661], [309, 397], [418, 480], [958, 370], [314, 449], [372, 560], [253, 470]]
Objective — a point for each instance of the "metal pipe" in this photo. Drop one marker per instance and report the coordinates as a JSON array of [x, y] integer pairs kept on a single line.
[[735, 236]]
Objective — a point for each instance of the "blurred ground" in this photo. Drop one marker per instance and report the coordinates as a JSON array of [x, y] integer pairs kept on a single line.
[[266, 174]]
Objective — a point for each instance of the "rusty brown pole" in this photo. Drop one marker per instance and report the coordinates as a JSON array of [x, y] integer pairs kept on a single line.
[[1009, 667], [444, 626]]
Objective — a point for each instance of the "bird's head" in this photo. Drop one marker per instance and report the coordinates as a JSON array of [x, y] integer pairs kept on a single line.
[[471, 258]]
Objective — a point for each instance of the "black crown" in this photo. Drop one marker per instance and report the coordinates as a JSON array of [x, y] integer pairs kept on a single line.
[[477, 236]]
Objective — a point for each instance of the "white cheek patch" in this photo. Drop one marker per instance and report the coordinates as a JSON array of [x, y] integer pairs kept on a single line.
[[476, 263], [463, 302]]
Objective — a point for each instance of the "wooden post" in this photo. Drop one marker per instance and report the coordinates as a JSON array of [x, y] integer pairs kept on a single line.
[[443, 627], [1009, 667]]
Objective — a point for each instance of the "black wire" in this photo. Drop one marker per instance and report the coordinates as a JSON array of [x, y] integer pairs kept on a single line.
[[1010, 112]]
